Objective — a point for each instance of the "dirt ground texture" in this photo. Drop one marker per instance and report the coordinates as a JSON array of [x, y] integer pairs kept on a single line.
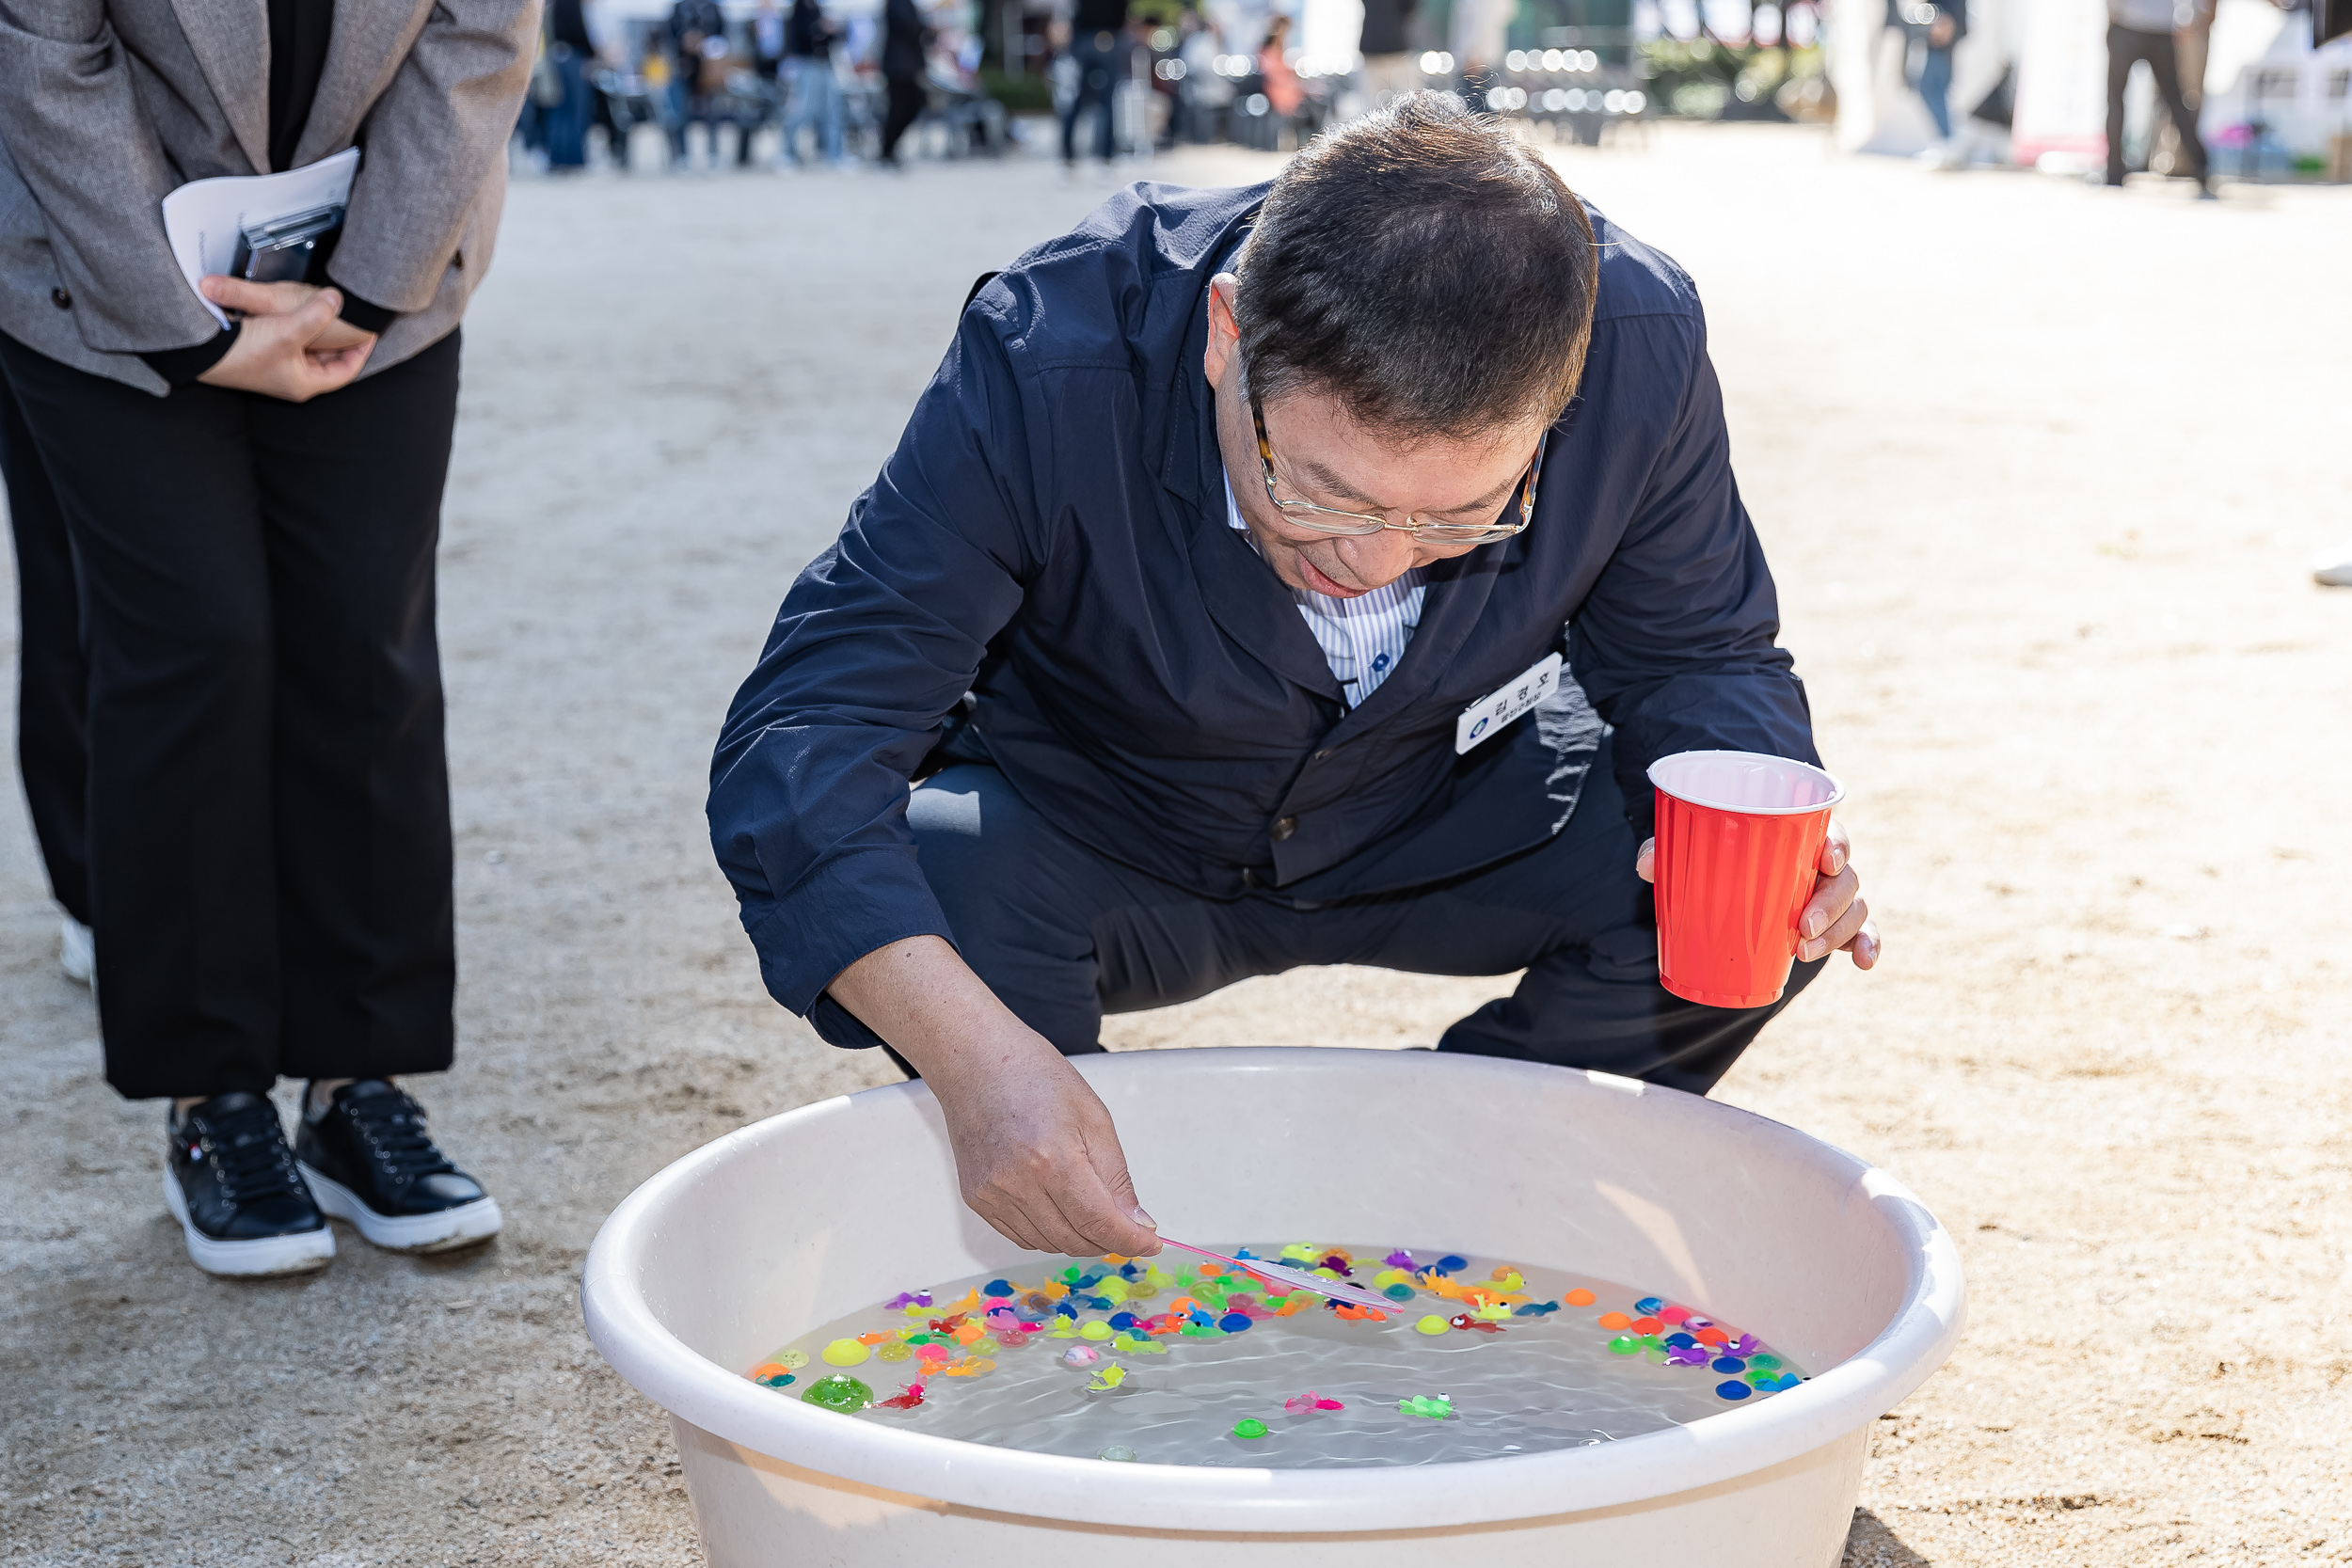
[[2038, 467]]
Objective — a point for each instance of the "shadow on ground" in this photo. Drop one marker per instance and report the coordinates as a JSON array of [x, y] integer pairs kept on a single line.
[[1872, 1544]]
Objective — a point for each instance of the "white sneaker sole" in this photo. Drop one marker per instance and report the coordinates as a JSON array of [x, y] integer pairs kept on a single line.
[[258, 1259], [451, 1228]]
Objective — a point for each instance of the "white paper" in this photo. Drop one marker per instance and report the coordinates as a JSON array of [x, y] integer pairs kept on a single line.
[[1487, 717], [203, 218]]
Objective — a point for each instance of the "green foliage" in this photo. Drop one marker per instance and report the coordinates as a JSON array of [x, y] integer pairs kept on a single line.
[[1705, 79], [1020, 95]]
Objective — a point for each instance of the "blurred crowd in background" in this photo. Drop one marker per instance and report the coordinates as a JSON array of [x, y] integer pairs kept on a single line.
[[2105, 89]]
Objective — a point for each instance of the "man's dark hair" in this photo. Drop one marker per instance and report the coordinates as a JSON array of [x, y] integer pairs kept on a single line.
[[1424, 267]]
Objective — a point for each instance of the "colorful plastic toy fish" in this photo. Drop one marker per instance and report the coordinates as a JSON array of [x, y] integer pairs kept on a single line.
[[910, 1396], [1300, 1405], [1106, 1378], [1435, 1408]]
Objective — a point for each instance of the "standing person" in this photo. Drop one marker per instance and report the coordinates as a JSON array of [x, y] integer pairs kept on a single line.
[[2142, 30], [53, 685], [905, 60], [695, 26], [808, 75], [1480, 29], [252, 511], [1389, 71], [1932, 29], [570, 51], [1284, 93], [766, 37], [1098, 55]]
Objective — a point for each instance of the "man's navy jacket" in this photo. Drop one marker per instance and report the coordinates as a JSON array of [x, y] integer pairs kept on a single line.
[[1051, 537]]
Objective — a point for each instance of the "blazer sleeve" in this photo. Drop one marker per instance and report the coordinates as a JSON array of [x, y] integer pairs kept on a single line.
[[435, 136], [1676, 645], [98, 171], [881, 635]]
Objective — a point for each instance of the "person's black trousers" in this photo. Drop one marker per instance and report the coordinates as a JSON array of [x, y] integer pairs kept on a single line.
[[268, 828], [1099, 61], [52, 676], [2124, 46], [906, 107], [1063, 935]]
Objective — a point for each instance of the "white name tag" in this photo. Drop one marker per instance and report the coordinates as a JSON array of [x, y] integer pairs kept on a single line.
[[1487, 717]]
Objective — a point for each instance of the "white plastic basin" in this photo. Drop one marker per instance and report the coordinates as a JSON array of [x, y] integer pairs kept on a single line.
[[804, 1217]]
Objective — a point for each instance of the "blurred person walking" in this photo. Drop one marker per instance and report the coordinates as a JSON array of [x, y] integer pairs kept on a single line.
[[1284, 93], [1389, 71], [2141, 30], [1480, 29], [569, 53], [1098, 55], [1930, 31], [808, 75], [695, 28], [905, 61], [766, 37], [251, 513]]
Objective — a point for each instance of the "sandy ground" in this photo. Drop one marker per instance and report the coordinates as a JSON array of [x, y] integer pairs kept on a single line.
[[2038, 467]]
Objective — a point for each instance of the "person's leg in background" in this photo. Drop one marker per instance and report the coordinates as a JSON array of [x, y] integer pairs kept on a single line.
[[160, 502], [1102, 79], [1936, 90], [567, 121], [1573, 912], [828, 121], [53, 680], [796, 76], [906, 107], [2123, 49], [2164, 63], [673, 116]]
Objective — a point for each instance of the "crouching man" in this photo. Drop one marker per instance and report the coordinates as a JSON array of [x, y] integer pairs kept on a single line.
[[1302, 573]]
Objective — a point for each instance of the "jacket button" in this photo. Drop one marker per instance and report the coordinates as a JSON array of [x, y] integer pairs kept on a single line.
[[58, 297], [1325, 752], [1250, 875], [1284, 829]]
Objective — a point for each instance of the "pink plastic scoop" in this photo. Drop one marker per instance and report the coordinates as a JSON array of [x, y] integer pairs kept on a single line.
[[1297, 1279]]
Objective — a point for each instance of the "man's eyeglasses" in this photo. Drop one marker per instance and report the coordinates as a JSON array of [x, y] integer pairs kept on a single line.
[[1326, 519]]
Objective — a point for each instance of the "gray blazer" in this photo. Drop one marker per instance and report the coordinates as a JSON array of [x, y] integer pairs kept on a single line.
[[106, 105]]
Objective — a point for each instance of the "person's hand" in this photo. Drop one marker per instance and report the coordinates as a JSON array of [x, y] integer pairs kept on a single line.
[[1836, 919], [1036, 1154], [293, 353], [239, 295]]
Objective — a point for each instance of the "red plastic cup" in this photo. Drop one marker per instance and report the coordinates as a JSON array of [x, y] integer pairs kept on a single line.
[[1739, 839]]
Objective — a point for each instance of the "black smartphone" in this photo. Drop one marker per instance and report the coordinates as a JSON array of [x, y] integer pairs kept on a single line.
[[289, 249]]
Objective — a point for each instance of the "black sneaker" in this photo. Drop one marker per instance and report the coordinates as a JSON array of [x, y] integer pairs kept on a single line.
[[369, 1160], [231, 1182]]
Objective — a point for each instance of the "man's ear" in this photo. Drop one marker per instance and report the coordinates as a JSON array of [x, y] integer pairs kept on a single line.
[[1224, 332]]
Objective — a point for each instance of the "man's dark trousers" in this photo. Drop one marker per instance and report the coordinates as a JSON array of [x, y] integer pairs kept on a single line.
[[52, 676], [268, 830], [1063, 934], [2124, 46]]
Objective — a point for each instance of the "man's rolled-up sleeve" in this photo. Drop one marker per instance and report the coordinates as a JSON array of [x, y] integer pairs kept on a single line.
[[1675, 644], [881, 635]]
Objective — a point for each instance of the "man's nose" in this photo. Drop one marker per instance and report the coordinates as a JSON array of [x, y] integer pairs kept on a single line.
[[1378, 559]]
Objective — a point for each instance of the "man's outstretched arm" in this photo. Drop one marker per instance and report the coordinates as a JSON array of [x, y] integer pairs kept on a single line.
[[1036, 1152]]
